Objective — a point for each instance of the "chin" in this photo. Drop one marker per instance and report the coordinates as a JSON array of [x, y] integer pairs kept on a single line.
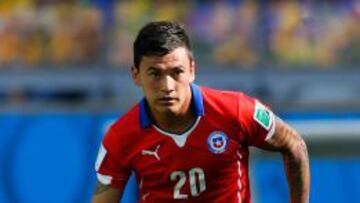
[[168, 109]]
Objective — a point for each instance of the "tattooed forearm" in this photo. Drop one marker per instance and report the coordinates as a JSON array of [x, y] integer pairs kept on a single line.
[[296, 161], [100, 188], [297, 166], [297, 170]]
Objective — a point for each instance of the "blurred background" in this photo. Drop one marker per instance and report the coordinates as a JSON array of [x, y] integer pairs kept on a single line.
[[64, 77]]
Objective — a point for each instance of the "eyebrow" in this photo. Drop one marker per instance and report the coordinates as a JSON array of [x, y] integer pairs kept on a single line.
[[154, 68], [178, 67]]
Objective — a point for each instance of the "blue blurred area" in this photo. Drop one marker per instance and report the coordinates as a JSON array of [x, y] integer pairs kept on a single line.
[[332, 180], [51, 155], [50, 158]]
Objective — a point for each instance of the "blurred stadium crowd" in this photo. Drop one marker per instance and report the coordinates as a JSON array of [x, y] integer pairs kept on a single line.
[[244, 34], [64, 76]]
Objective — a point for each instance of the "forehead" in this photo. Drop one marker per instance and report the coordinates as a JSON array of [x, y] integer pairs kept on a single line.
[[178, 57]]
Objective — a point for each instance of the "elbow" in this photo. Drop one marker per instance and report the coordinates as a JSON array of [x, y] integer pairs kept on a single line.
[[303, 150], [297, 149]]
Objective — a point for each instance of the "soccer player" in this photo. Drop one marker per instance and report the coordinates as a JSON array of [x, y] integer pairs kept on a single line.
[[188, 143]]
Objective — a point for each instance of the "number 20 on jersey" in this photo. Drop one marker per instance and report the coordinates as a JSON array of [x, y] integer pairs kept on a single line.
[[196, 178]]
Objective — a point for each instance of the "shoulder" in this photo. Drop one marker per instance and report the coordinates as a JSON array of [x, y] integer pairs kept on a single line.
[[221, 98], [229, 100], [128, 121], [122, 129], [221, 103], [237, 105]]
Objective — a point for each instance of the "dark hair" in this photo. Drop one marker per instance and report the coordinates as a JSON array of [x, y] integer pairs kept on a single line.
[[158, 39]]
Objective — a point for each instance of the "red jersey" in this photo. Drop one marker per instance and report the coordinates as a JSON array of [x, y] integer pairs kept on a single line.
[[207, 163]]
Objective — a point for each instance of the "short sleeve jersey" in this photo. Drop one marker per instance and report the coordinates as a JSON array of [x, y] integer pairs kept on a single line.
[[207, 163]]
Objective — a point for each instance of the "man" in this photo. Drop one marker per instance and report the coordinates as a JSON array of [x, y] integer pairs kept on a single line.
[[188, 143]]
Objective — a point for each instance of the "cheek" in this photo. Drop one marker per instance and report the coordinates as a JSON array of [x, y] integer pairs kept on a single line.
[[149, 89], [183, 88]]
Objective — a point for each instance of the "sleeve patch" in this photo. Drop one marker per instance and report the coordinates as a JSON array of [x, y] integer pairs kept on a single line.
[[262, 115]]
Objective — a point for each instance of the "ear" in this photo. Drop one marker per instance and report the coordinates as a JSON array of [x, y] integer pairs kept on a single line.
[[192, 70], [135, 74]]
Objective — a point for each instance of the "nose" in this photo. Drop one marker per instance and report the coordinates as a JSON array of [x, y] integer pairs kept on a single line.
[[167, 84]]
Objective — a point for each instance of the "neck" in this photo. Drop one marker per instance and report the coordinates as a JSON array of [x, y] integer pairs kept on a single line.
[[175, 123]]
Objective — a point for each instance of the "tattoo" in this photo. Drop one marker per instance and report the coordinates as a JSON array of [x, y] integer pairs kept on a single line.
[[100, 188], [298, 177], [296, 160], [297, 166]]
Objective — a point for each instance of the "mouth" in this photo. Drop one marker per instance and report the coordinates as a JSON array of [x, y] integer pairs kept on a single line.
[[167, 100]]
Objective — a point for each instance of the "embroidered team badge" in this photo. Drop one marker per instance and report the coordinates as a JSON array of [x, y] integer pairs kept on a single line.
[[217, 142], [262, 115]]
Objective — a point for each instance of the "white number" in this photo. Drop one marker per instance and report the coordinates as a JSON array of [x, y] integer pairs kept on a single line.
[[193, 173], [179, 184], [196, 175]]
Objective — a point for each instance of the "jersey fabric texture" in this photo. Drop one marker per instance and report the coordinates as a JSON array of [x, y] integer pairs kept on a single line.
[[207, 163]]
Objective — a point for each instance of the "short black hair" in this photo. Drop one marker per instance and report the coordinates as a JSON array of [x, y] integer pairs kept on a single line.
[[158, 39]]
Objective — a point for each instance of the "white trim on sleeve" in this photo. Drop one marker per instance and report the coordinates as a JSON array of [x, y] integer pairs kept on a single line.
[[272, 130]]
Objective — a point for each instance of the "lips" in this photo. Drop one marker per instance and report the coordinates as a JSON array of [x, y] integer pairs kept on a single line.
[[167, 100]]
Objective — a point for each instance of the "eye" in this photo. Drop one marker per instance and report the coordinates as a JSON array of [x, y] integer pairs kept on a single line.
[[177, 72], [154, 74]]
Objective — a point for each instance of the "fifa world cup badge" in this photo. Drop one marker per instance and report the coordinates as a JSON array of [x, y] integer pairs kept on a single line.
[[217, 142], [263, 116]]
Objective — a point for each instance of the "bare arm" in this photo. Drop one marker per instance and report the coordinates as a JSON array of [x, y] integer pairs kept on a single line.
[[296, 160], [106, 194]]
